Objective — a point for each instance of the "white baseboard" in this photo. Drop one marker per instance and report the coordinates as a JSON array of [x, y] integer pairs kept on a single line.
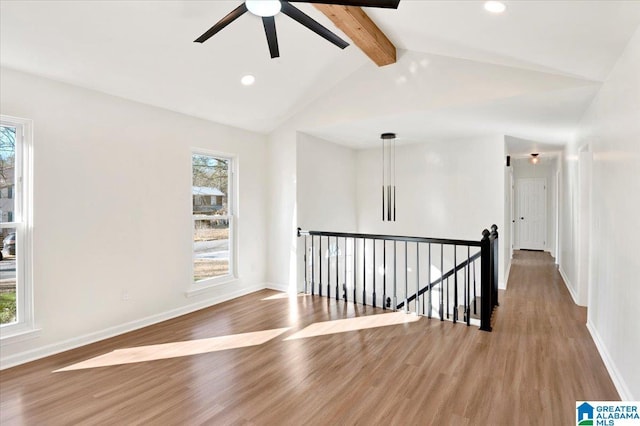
[[616, 377], [502, 285], [567, 284], [277, 286], [55, 348]]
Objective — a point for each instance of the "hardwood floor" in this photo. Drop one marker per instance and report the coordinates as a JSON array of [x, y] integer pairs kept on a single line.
[[531, 369]]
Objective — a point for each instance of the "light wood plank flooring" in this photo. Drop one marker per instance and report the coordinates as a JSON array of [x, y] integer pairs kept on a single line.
[[531, 369]]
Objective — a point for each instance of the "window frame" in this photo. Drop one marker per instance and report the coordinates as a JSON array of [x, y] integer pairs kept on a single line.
[[23, 224], [232, 217]]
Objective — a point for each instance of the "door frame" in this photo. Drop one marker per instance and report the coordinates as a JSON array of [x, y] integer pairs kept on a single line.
[[512, 214]]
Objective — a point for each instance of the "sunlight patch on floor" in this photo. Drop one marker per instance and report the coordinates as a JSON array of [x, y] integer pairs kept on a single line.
[[284, 296], [354, 324], [177, 349]]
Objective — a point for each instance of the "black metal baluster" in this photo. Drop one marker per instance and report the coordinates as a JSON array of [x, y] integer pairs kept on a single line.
[[467, 282], [337, 268], [448, 297], [406, 280], [344, 283], [441, 282], [429, 281], [313, 267], [328, 267], [320, 265], [395, 276], [374, 272], [355, 271], [475, 310], [305, 264], [384, 274], [418, 279], [455, 283], [464, 292], [364, 271]]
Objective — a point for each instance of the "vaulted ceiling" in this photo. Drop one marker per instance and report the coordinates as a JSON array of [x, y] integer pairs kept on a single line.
[[461, 71]]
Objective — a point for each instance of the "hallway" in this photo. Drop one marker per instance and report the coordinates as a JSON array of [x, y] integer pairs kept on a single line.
[[531, 369], [545, 356]]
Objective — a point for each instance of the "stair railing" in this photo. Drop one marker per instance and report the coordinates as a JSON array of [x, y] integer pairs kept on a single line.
[[386, 270]]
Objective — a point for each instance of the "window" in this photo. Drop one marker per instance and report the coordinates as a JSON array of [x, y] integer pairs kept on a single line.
[[213, 217], [16, 311]]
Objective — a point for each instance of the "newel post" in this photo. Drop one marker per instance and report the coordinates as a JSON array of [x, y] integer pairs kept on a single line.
[[496, 256], [486, 305]]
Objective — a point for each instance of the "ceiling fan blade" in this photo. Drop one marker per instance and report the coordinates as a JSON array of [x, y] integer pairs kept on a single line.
[[235, 14], [390, 4], [298, 15], [272, 38]]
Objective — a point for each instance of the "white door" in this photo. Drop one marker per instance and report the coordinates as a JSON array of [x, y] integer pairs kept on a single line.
[[531, 213]]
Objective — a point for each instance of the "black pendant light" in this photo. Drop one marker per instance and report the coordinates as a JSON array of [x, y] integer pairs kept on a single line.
[[388, 177]]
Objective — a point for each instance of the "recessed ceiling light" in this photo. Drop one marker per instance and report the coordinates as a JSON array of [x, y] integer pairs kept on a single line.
[[247, 80], [494, 6]]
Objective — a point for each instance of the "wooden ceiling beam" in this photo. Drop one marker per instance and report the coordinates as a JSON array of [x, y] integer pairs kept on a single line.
[[356, 24]]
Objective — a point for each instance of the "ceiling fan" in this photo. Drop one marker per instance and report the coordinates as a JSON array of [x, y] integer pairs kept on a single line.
[[267, 9]]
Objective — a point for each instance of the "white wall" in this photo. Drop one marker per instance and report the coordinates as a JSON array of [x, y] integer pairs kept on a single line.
[[282, 215], [546, 168], [326, 185], [112, 211], [568, 234], [576, 220], [438, 185], [611, 127]]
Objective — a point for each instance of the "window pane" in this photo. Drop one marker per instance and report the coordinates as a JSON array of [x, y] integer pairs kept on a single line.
[[210, 185], [210, 248], [7, 172], [8, 276]]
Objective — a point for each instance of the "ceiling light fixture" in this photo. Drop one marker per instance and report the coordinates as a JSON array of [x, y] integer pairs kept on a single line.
[[267, 9], [247, 80], [264, 8], [534, 158], [494, 6]]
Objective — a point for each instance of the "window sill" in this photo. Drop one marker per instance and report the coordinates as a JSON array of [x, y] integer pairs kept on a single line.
[[19, 336], [203, 286]]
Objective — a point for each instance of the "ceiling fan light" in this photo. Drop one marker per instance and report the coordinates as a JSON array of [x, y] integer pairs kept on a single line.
[[247, 80], [495, 6], [264, 8]]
